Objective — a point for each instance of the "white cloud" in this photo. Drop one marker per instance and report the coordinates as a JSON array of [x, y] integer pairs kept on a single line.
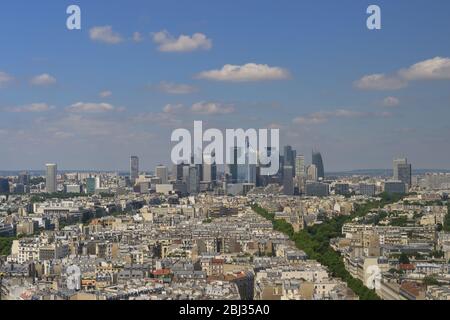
[[437, 68], [43, 80], [105, 94], [324, 116], [380, 82], [80, 125], [245, 73], [212, 108], [165, 119], [184, 43], [105, 34], [433, 69], [90, 107], [174, 88], [33, 107], [172, 108], [137, 37], [5, 79], [390, 102], [275, 125], [310, 119]]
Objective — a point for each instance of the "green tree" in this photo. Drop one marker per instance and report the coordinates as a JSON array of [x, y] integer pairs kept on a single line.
[[403, 259], [430, 281], [5, 245]]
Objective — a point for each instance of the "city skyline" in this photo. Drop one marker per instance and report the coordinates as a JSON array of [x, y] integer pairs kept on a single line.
[[136, 71], [227, 158]]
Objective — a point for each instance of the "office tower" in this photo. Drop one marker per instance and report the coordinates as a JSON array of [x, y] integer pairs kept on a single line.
[[294, 156], [258, 176], [98, 182], [395, 187], [178, 172], [214, 172], [402, 171], [207, 174], [19, 188], [366, 189], [300, 166], [250, 164], [186, 174], [289, 156], [209, 168], [396, 163], [251, 173], [24, 178], [144, 187], [404, 174], [73, 188], [162, 173], [50, 181], [4, 186], [317, 189], [199, 171], [90, 185], [199, 155], [342, 188], [288, 180], [134, 169], [233, 167], [312, 174], [318, 162], [193, 181], [264, 179]]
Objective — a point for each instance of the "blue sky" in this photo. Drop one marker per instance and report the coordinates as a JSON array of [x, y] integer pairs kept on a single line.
[[89, 99]]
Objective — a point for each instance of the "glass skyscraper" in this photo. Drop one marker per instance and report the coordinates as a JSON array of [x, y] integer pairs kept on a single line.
[[318, 162]]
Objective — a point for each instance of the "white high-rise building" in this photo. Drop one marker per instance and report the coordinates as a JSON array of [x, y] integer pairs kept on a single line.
[[98, 182], [50, 179], [312, 173], [209, 168]]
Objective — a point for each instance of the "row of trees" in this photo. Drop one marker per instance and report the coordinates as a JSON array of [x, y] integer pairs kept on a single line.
[[315, 241], [5, 245], [446, 226]]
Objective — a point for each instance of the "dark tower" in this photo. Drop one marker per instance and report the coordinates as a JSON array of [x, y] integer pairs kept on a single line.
[[318, 162]]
